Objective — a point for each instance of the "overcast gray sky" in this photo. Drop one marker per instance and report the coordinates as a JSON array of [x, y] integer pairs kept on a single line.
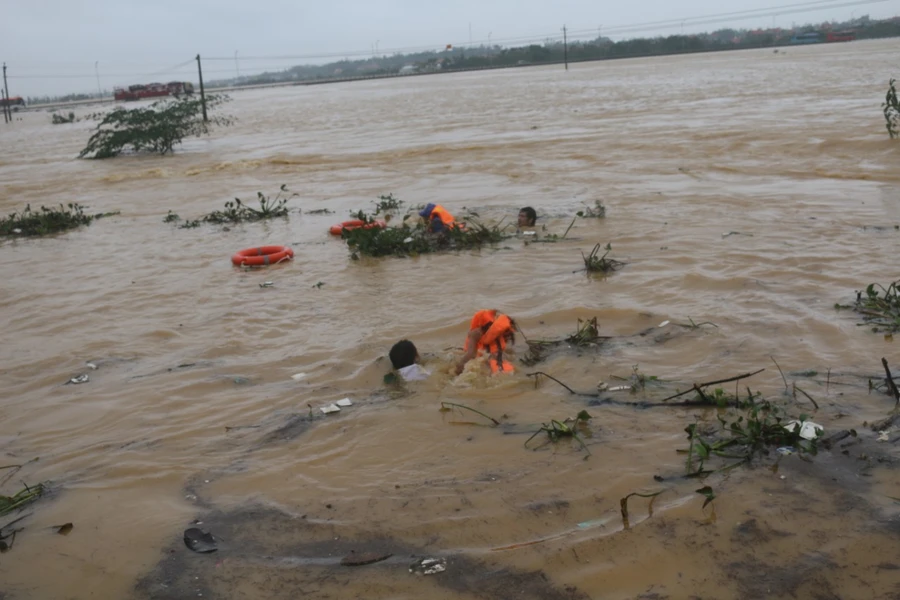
[[51, 46]]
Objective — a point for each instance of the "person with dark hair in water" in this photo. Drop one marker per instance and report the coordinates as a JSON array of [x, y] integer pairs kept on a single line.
[[527, 217], [405, 358]]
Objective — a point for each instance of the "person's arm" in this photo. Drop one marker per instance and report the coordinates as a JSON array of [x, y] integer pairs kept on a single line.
[[472, 345]]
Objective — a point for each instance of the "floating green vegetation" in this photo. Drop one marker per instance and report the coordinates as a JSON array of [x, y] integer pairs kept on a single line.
[[598, 211], [157, 128], [879, 306], [238, 212], [747, 431], [638, 380], [48, 220], [568, 428], [407, 240], [387, 204], [600, 264], [587, 334], [891, 109], [24, 497]]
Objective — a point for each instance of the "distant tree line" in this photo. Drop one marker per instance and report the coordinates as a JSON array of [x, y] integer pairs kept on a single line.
[[554, 51]]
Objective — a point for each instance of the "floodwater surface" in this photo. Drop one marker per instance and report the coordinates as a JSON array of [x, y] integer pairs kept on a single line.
[[749, 190]]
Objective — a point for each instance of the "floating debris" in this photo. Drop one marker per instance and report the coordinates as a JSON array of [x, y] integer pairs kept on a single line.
[[786, 450], [331, 408], [298, 376], [663, 324], [83, 378], [345, 402], [200, 541], [92, 366], [428, 566], [808, 429], [364, 558], [620, 388], [267, 284], [64, 529]]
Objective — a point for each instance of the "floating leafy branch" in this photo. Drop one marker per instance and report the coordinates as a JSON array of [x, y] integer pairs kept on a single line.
[[587, 334], [746, 433], [26, 496], [157, 128], [600, 264], [448, 406], [386, 204], [556, 430], [47, 220], [238, 212], [891, 109], [880, 306], [598, 211]]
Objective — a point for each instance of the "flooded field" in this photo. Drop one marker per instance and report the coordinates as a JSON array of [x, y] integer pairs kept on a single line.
[[751, 190]]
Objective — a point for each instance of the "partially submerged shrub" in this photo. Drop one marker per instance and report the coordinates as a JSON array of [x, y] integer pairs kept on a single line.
[[891, 109], [601, 264], [157, 128], [58, 119], [407, 240], [879, 306], [386, 204], [46, 221], [238, 212], [597, 212]]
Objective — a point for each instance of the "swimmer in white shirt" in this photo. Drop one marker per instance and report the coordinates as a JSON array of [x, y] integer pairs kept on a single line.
[[405, 358]]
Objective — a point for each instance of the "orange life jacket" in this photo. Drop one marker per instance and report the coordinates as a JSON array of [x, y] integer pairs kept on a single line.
[[496, 329], [442, 213]]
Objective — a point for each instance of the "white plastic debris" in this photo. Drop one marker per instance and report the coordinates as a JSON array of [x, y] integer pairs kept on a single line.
[[80, 379], [331, 408], [529, 233], [884, 436], [428, 566], [663, 324], [344, 402], [602, 386], [267, 284], [407, 240], [298, 376], [808, 429], [92, 366], [620, 388]]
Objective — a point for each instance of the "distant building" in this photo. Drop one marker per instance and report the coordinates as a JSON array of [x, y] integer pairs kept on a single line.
[[407, 69]]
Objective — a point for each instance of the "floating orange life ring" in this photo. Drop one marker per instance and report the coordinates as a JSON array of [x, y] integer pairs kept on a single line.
[[355, 224], [262, 256]]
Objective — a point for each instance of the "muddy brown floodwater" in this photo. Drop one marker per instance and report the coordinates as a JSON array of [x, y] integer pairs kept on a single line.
[[753, 190]]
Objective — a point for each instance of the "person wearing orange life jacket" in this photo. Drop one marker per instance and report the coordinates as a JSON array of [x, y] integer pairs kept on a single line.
[[437, 217], [490, 331]]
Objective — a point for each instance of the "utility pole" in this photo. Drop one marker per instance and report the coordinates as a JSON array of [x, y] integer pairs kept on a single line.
[[237, 69], [7, 114], [97, 72], [565, 48], [202, 93], [490, 50], [470, 33]]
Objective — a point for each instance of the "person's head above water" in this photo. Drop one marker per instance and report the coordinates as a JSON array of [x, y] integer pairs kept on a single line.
[[527, 217], [425, 213], [403, 354]]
